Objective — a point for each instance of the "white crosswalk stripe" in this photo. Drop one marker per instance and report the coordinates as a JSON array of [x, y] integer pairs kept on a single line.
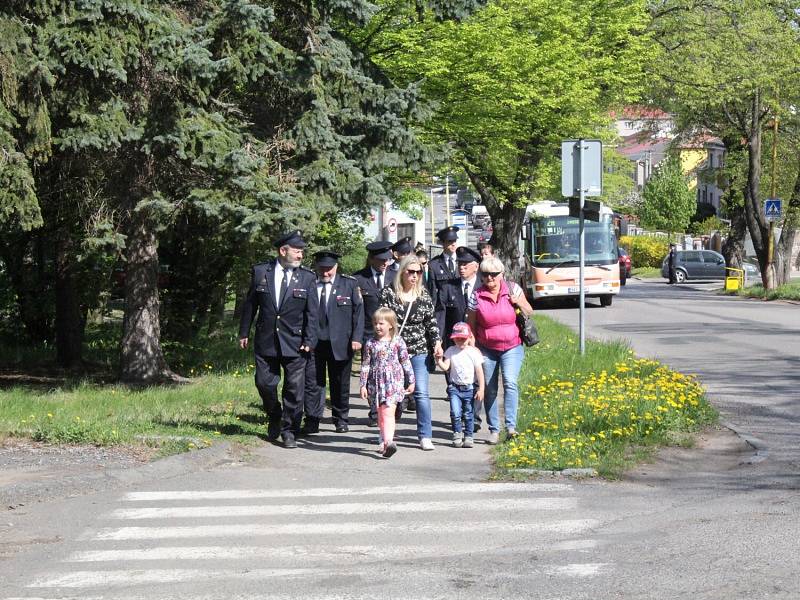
[[316, 536]]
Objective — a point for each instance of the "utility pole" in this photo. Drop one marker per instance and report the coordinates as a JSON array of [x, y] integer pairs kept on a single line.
[[771, 275]]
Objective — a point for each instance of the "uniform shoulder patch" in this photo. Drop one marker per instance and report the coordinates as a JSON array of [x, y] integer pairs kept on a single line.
[[343, 276], [307, 270]]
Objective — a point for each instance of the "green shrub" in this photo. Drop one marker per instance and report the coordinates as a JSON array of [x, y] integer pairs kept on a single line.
[[645, 251]]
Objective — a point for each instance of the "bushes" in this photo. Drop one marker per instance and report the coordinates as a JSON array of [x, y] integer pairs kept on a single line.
[[645, 251]]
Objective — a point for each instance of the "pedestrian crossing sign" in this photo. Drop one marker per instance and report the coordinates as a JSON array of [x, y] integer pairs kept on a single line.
[[772, 209]]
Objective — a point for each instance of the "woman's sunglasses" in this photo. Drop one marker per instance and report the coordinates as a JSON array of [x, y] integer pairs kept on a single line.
[[490, 273], [413, 271]]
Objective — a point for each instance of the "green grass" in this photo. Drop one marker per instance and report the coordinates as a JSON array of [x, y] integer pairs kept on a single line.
[[55, 406], [788, 291], [605, 410], [646, 272]]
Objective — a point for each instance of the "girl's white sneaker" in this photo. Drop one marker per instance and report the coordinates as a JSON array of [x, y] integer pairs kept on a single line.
[[426, 444]]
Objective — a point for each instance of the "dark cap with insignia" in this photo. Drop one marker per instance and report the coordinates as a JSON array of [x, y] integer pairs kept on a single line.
[[402, 246], [380, 250], [448, 234], [325, 258], [467, 255], [293, 238]]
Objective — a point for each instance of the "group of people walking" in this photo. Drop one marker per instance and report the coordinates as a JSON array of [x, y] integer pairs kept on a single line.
[[405, 315]]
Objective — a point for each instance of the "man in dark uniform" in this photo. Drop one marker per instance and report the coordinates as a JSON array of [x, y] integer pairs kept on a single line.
[[282, 292], [443, 268], [400, 250], [371, 279], [451, 305], [340, 333], [671, 258]]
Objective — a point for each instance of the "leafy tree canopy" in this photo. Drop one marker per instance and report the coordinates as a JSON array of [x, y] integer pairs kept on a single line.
[[667, 202]]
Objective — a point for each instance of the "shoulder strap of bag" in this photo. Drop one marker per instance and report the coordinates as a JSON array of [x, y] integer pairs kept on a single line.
[[405, 318]]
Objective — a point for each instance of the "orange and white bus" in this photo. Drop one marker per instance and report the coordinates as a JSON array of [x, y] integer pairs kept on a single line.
[[551, 250]]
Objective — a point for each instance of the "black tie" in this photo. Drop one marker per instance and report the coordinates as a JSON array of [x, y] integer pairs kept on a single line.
[[379, 280], [466, 294], [284, 286], [451, 266], [323, 305]]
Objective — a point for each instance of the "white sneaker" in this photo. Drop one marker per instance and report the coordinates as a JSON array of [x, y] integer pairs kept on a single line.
[[467, 442], [426, 444], [493, 438], [458, 439]]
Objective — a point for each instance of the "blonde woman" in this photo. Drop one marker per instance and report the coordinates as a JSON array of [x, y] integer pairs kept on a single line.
[[491, 316], [417, 326]]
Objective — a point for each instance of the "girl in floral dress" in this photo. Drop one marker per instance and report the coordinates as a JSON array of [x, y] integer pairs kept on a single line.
[[385, 371]]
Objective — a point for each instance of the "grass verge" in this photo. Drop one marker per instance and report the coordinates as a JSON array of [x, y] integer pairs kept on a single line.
[[788, 291], [221, 402], [605, 410], [646, 272]]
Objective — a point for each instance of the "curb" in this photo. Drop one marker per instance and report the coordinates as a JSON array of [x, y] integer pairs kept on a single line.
[[563, 474], [761, 450]]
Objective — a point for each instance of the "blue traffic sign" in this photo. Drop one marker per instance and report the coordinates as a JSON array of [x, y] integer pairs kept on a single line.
[[772, 208]]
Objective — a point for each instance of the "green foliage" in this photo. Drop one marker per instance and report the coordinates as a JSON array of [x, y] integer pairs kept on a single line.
[[707, 226], [667, 202], [645, 251], [511, 81]]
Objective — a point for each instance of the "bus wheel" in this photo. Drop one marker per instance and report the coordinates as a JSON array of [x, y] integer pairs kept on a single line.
[[606, 300]]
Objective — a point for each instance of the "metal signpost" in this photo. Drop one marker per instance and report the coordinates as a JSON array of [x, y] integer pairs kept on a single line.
[[581, 176]]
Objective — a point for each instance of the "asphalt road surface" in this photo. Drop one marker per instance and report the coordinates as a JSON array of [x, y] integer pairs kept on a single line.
[[332, 519]]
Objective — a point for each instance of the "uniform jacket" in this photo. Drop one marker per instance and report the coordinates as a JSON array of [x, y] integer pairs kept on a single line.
[[370, 295], [438, 274], [281, 330], [345, 315], [451, 307]]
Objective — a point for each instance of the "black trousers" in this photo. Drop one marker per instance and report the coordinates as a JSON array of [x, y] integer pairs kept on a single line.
[[324, 365], [268, 377]]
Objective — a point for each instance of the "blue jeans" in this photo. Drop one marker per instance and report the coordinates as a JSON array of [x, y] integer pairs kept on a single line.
[[424, 427], [461, 397], [510, 362]]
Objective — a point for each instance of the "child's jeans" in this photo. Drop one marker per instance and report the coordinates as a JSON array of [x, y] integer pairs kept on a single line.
[[461, 407]]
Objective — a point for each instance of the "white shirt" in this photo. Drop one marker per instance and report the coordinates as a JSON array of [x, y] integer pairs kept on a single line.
[[463, 362], [323, 284], [471, 283], [279, 277], [381, 273]]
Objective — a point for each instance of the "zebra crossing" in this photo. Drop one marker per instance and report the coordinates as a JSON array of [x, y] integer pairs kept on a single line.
[[404, 541]]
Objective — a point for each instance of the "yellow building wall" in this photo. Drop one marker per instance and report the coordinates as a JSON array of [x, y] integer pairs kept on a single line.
[[691, 159]]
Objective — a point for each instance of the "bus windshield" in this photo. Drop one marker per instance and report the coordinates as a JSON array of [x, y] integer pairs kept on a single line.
[[556, 241]]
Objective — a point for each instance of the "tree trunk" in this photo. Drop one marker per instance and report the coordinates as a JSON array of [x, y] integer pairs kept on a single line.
[[216, 314], [733, 248], [756, 221], [506, 226], [141, 357], [783, 249], [69, 321]]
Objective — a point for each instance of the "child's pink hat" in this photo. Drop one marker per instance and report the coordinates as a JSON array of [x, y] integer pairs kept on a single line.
[[460, 330]]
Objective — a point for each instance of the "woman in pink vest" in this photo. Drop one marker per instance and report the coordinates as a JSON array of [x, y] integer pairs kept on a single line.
[[491, 316]]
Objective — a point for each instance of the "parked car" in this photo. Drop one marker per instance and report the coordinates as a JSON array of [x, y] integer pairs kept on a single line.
[[695, 264], [624, 266]]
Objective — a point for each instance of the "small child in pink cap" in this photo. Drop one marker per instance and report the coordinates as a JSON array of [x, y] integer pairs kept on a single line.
[[463, 364]]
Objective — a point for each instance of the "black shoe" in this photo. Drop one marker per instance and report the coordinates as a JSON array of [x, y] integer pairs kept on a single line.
[[342, 428], [274, 429], [390, 450], [372, 422], [309, 429], [289, 441]]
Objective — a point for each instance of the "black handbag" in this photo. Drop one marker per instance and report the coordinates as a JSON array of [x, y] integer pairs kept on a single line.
[[527, 329]]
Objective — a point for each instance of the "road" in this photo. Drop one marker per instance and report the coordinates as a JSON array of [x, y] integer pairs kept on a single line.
[[746, 352], [333, 520]]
